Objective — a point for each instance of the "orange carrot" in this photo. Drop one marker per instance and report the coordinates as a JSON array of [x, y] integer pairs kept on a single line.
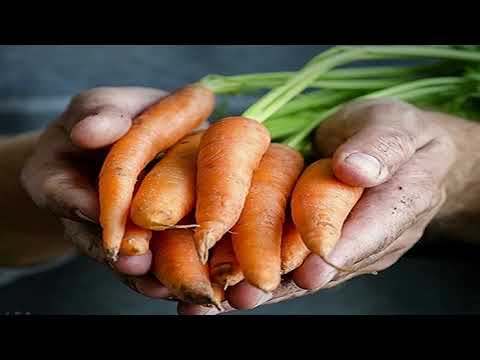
[[218, 295], [177, 266], [294, 252], [135, 241], [320, 205], [229, 152], [224, 268], [258, 233], [167, 194], [155, 130]]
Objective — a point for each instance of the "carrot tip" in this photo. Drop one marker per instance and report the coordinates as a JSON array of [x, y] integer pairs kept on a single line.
[[112, 254], [203, 246]]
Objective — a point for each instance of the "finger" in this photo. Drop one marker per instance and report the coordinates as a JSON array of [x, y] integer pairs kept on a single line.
[[57, 178], [86, 237], [383, 135], [287, 290], [246, 296], [145, 285], [192, 309], [384, 213], [390, 255], [151, 287], [134, 265], [380, 264], [99, 117]]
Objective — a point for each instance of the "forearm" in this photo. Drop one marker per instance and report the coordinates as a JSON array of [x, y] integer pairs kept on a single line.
[[459, 216], [28, 235]]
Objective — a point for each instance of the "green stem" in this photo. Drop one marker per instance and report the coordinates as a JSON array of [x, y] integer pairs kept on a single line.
[[278, 97], [314, 100], [371, 77], [402, 88], [401, 92], [386, 71], [418, 51], [284, 126]]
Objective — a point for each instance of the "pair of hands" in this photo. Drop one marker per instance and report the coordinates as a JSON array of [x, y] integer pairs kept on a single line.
[[391, 148]]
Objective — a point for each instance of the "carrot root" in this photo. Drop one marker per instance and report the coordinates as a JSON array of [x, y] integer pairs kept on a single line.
[[258, 233], [177, 266], [156, 129], [320, 205], [167, 194], [294, 252], [224, 268], [229, 152], [135, 241]]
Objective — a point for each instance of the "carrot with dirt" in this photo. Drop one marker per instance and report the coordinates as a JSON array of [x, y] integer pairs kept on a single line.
[[231, 149], [294, 252], [135, 241], [167, 194], [218, 206], [224, 268], [218, 295], [177, 266], [257, 236], [320, 205], [156, 129], [229, 152]]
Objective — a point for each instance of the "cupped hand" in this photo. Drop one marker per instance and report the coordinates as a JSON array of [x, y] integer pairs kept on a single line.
[[61, 173], [402, 157]]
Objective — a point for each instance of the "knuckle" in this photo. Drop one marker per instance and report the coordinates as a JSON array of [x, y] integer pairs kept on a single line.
[[380, 109], [93, 92], [91, 97], [392, 144]]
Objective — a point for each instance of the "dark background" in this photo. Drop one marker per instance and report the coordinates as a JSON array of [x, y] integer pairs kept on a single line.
[[36, 84]]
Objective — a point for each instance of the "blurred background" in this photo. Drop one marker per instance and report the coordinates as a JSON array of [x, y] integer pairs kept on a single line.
[[36, 85]]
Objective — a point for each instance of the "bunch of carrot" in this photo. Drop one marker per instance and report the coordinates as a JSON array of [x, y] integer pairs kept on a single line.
[[231, 202]]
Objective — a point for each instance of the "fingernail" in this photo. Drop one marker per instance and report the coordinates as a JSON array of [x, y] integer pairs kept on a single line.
[[84, 217], [152, 290], [368, 165], [263, 298]]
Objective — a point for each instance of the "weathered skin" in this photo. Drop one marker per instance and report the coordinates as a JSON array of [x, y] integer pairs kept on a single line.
[[432, 187], [430, 175]]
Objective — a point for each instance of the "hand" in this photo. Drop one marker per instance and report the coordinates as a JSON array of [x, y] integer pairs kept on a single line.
[[61, 173], [402, 157]]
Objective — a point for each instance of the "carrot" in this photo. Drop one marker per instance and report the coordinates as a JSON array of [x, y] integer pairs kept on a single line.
[[229, 152], [218, 295], [167, 194], [135, 241], [177, 266], [320, 205], [258, 233], [224, 268], [294, 252], [155, 130]]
